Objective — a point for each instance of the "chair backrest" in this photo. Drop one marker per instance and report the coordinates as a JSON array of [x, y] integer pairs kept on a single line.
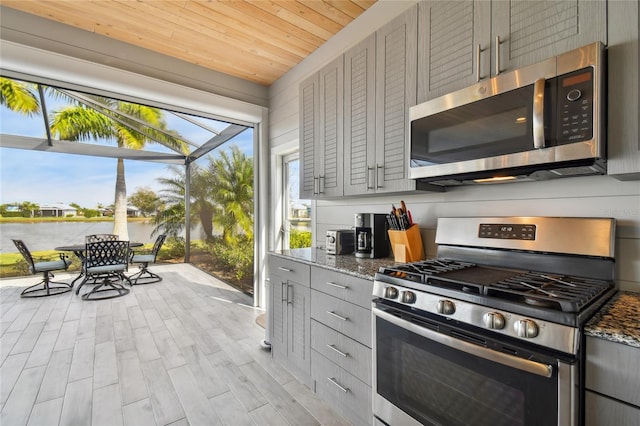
[[107, 253], [101, 237], [24, 251], [158, 245]]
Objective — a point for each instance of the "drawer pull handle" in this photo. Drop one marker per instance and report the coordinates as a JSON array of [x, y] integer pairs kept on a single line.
[[285, 269], [343, 287], [340, 317], [342, 388], [344, 354]]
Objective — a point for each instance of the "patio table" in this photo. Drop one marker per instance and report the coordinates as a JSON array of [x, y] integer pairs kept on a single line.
[[79, 250]]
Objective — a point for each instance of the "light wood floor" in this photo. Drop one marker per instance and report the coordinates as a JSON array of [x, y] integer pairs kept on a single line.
[[185, 351]]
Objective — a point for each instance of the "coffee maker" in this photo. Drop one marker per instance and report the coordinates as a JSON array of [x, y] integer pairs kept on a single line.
[[372, 239]]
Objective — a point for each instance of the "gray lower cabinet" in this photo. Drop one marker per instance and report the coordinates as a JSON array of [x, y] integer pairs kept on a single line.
[[612, 384], [346, 394], [290, 326], [341, 363]]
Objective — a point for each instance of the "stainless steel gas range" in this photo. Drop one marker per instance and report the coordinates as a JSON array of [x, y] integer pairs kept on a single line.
[[490, 331]]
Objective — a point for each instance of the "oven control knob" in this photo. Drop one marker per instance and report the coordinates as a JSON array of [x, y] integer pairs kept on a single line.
[[390, 293], [494, 320], [446, 307], [526, 328], [408, 297]]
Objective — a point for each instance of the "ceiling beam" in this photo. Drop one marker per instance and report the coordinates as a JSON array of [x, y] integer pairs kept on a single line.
[[79, 148]]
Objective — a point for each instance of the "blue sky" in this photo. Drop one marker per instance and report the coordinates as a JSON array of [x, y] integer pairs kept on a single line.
[[43, 177]]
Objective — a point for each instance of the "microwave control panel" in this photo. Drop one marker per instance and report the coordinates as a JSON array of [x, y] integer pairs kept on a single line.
[[575, 106]]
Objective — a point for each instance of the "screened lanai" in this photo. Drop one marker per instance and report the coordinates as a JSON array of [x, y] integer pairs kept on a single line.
[[161, 145]]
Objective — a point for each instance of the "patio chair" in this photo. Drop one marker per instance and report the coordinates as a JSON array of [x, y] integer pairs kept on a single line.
[[46, 287], [105, 265], [101, 237], [144, 276]]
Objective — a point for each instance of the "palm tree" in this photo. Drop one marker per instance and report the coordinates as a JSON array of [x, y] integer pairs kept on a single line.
[[232, 190], [19, 96], [171, 219], [78, 123]]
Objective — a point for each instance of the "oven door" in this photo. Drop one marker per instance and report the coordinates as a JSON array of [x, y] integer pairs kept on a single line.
[[435, 374]]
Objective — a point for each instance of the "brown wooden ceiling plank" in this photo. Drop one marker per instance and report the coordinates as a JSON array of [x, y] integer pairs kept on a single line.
[[365, 4], [267, 12], [53, 10], [294, 19], [309, 15], [245, 41], [182, 47], [328, 10], [348, 7], [125, 14], [270, 32]]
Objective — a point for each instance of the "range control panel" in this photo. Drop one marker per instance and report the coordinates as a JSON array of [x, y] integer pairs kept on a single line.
[[507, 231]]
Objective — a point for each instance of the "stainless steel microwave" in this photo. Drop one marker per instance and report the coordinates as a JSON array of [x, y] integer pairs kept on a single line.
[[538, 122]]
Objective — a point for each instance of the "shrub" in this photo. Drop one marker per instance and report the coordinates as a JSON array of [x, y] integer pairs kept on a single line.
[[299, 239], [173, 248], [236, 258], [89, 213]]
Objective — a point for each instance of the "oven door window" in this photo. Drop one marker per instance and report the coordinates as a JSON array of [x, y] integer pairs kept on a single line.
[[439, 385]]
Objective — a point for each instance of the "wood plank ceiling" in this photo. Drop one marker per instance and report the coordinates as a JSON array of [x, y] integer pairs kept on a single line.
[[257, 40]]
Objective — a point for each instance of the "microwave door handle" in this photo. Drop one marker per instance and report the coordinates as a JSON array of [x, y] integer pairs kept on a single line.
[[538, 113]]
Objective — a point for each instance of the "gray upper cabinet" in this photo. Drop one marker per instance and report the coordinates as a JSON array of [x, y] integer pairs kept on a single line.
[[359, 109], [309, 119], [461, 43], [321, 132], [454, 40], [396, 79], [525, 32], [623, 131]]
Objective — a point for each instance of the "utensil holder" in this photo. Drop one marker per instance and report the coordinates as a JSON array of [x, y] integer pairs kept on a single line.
[[407, 245]]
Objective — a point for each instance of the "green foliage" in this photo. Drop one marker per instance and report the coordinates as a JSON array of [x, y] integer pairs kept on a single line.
[[145, 199], [173, 248], [237, 257], [299, 239], [89, 213]]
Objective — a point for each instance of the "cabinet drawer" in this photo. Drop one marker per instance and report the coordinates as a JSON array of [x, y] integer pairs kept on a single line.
[[345, 317], [346, 287], [603, 411], [352, 356], [612, 369], [290, 269], [344, 391]]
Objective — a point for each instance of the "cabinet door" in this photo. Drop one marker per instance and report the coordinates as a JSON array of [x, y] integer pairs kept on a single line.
[[329, 147], [309, 113], [531, 32], [299, 326], [359, 117], [396, 66], [623, 55], [454, 43], [278, 317]]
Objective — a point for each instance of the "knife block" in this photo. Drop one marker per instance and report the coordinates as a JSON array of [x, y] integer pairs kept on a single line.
[[407, 245]]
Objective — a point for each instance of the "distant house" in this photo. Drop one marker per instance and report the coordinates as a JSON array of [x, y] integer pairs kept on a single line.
[[132, 211], [57, 210]]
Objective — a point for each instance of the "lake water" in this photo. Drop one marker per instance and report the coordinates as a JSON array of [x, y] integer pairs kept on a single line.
[[46, 236]]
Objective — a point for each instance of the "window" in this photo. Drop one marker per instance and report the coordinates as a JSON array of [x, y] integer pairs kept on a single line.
[[296, 220]]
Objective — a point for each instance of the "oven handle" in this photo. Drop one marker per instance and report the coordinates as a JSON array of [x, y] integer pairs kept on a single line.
[[543, 370]]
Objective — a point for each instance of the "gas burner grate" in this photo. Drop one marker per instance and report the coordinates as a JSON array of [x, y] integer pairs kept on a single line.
[[559, 292], [422, 270]]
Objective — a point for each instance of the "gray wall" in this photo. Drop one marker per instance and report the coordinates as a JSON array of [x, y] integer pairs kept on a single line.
[[596, 196]]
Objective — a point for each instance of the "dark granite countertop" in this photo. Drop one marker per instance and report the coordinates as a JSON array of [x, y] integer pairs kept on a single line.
[[345, 263], [618, 321]]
